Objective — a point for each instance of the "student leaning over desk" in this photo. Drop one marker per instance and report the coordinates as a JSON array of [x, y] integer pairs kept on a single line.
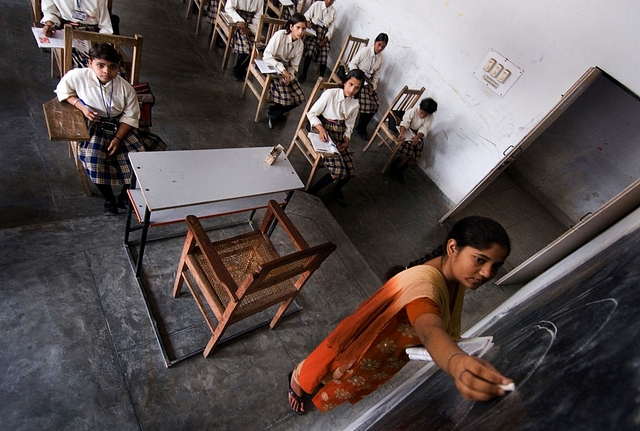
[[110, 105], [420, 305], [284, 52]]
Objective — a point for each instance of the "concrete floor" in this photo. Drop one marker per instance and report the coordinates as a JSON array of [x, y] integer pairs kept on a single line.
[[77, 344]]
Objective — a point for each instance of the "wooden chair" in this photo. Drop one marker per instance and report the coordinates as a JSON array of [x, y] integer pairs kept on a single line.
[[201, 5], [224, 27], [405, 100], [351, 46], [301, 138], [36, 13], [260, 88], [133, 72], [274, 10], [238, 277]]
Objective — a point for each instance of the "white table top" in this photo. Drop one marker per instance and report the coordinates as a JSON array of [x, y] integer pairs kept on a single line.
[[172, 179]]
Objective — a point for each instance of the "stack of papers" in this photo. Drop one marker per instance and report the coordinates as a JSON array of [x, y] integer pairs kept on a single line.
[[472, 346], [323, 147]]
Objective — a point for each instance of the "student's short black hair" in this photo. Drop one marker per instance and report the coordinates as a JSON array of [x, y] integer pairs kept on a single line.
[[293, 20], [429, 105], [382, 37], [104, 51]]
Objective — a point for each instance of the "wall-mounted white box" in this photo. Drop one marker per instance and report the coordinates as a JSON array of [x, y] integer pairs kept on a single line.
[[497, 73]]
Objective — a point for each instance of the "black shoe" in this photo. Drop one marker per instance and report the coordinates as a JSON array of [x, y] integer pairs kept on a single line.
[[110, 208], [400, 176], [302, 78], [339, 198], [363, 134]]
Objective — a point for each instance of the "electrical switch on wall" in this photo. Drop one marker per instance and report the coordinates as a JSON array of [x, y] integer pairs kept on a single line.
[[495, 71]]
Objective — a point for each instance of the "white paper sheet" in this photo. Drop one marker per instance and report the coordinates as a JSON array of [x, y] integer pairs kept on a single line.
[[55, 41]]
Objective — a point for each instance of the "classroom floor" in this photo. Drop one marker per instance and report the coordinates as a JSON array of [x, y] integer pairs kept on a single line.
[[77, 344]]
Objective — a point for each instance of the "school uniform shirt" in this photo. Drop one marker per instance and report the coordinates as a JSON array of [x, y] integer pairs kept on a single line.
[[411, 120], [370, 63], [115, 98], [96, 13], [332, 105], [253, 6], [282, 52], [319, 13]]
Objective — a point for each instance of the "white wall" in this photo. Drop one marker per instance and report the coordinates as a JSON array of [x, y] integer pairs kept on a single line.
[[439, 44]]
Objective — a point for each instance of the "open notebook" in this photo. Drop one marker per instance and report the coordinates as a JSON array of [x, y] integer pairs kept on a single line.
[[323, 147]]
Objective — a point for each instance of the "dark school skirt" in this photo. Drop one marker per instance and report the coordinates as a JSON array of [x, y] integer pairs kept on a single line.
[[116, 169], [339, 166], [284, 94], [242, 43], [369, 103], [413, 152], [317, 53]]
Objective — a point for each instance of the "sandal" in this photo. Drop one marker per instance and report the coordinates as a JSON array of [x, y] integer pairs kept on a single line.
[[298, 398]]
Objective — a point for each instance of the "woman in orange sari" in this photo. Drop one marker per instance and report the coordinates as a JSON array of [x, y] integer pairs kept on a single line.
[[420, 305]]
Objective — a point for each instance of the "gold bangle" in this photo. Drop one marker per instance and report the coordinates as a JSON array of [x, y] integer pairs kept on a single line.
[[451, 356], [74, 103]]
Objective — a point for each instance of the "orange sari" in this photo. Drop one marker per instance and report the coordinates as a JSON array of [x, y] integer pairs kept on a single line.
[[369, 345]]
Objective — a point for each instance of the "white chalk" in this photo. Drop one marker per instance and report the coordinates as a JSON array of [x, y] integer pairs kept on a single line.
[[508, 388]]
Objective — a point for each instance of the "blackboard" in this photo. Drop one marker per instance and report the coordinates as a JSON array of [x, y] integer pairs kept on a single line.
[[573, 350]]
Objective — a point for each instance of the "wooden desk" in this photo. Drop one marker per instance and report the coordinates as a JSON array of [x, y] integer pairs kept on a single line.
[[205, 183], [64, 122]]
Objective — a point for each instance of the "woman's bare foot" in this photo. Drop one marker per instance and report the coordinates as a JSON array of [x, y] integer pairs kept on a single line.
[[296, 394]]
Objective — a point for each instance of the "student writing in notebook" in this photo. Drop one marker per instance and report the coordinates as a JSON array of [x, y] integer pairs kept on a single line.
[[284, 52], [91, 15], [419, 120], [334, 114], [420, 305]]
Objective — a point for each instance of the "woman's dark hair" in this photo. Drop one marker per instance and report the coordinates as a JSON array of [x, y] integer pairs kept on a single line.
[[104, 51], [475, 231], [429, 105], [359, 75], [293, 20], [382, 37]]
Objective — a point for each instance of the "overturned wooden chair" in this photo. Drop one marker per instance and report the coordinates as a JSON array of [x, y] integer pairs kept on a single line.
[[238, 277], [132, 68], [258, 82], [351, 46], [405, 100], [301, 137], [201, 6], [224, 28]]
